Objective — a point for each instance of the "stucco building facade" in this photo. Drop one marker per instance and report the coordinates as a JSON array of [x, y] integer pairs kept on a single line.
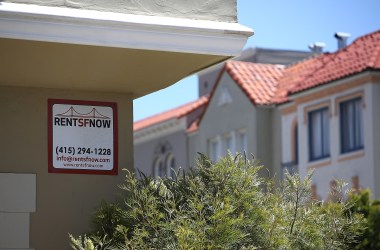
[[316, 114], [177, 128], [332, 109], [93, 52]]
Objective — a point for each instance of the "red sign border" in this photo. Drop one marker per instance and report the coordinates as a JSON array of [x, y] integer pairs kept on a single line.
[[113, 105]]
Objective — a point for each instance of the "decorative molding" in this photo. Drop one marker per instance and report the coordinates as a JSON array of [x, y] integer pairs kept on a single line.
[[329, 90], [163, 157], [346, 97], [319, 165], [289, 109], [314, 107], [376, 79], [159, 130], [97, 28], [351, 156]]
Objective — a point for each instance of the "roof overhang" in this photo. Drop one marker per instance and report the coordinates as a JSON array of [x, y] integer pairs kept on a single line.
[[329, 88], [67, 48]]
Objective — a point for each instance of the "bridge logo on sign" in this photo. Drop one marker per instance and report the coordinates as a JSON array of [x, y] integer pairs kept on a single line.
[[92, 119]]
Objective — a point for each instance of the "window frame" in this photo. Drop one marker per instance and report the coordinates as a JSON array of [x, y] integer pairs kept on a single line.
[[156, 166], [228, 138], [163, 153], [214, 156], [342, 123], [310, 130], [243, 144], [170, 170]]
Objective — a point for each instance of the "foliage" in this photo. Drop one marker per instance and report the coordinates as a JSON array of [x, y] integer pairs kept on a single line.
[[371, 211], [223, 205]]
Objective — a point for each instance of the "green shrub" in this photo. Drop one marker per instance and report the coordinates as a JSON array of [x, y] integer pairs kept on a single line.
[[362, 204], [223, 205]]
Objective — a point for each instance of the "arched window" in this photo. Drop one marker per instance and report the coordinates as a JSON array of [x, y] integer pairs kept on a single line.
[[164, 163], [158, 167], [170, 165]]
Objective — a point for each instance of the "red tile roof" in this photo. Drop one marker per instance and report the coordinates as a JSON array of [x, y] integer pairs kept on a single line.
[[266, 84], [258, 81], [361, 55], [170, 114], [271, 84], [193, 126]]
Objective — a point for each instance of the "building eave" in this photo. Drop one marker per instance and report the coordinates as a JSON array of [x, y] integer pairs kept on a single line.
[[107, 29], [364, 76], [88, 50]]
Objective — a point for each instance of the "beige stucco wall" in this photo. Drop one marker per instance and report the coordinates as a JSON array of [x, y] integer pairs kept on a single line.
[[215, 10], [232, 118], [339, 165], [65, 202], [219, 120]]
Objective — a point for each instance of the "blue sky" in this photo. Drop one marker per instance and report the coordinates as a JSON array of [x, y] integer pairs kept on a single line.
[[279, 24]]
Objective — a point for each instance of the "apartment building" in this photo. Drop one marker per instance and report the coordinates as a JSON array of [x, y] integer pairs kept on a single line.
[[162, 141], [329, 116], [316, 114]]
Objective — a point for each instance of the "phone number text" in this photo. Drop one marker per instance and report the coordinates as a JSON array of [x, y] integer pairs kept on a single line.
[[82, 150]]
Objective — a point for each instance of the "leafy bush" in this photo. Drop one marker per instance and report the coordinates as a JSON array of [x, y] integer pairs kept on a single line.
[[223, 205], [362, 204]]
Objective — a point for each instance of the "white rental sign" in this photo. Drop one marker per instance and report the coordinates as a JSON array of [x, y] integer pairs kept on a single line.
[[82, 137]]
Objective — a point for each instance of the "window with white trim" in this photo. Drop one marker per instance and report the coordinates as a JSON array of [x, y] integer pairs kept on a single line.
[[170, 165], [227, 142], [243, 141], [159, 167], [214, 149], [319, 134], [351, 125], [164, 163]]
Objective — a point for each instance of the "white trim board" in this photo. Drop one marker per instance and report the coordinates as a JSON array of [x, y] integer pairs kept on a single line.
[[97, 28]]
